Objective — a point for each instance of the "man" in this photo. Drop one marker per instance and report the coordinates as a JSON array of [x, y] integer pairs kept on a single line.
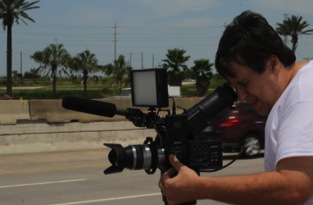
[[253, 58]]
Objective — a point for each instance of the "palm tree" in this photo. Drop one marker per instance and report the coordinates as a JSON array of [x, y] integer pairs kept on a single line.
[[202, 72], [55, 55], [175, 65], [87, 62], [120, 71], [293, 26], [107, 69], [13, 11], [39, 57]]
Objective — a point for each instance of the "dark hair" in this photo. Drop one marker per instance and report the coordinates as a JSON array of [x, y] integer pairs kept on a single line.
[[249, 40]]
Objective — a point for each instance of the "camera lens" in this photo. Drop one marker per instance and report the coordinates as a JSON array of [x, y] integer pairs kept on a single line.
[[132, 157]]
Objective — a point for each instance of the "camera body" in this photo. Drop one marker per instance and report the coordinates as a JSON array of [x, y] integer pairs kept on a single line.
[[173, 137], [176, 133], [197, 154]]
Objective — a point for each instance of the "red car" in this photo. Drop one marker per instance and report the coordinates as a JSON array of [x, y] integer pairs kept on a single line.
[[240, 128]]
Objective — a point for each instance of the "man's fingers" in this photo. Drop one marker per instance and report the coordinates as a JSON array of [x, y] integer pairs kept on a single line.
[[175, 162], [166, 175], [171, 172]]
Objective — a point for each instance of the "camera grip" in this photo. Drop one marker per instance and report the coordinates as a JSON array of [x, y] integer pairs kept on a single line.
[[186, 203]]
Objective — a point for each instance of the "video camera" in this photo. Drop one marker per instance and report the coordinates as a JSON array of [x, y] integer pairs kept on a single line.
[[176, 133]]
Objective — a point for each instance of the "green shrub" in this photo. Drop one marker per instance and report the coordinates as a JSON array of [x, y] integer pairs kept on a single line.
[[41, 88]]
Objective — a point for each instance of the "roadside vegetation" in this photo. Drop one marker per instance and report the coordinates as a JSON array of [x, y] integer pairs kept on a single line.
[[61, 74], [100, 87]]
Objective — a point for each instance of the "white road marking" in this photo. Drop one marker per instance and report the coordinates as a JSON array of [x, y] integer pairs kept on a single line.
[[41, 183], [109, 199]]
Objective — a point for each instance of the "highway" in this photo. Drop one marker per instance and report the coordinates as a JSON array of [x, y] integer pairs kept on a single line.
[[76, 177]]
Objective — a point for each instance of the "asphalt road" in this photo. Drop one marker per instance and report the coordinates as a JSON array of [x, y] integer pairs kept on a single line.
[[71, 178]]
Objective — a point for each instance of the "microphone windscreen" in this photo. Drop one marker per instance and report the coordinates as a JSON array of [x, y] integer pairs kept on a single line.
[[89, 106]]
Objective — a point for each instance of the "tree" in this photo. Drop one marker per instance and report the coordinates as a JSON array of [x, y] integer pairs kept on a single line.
[[33, 73], [175, 65], [118, 71], [202, 72], [107, 69], [39, 57], [293, 26], [55, 55], [13, 11], [87, 62]]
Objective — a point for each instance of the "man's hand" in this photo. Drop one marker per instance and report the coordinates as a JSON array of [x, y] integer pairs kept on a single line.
[[178, 184]]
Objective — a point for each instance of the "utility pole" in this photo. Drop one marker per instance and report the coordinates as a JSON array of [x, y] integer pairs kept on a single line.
[[141, 60], [21, 63], [115, 40]]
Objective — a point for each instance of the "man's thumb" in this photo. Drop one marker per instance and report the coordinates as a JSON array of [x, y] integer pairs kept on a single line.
[[175, 162]]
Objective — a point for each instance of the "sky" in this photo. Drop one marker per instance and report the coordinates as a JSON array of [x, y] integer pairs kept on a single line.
[[144, 29]]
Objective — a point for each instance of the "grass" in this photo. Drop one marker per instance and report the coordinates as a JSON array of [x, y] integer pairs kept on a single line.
[[42, 89]]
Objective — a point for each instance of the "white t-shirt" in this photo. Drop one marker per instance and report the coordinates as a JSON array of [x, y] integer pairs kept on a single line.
[[289, 128]]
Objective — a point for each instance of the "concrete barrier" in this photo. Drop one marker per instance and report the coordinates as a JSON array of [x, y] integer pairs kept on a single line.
[[53, 112], [45, 126], [45, 137], [13, 110]]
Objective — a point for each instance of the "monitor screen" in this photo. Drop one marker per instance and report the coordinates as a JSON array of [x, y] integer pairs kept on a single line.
[[149, 88]]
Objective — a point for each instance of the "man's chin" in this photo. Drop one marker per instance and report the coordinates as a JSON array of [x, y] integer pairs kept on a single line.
[[262, 111]]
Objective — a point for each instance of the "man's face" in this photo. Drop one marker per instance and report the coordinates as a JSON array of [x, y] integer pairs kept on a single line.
[[258, 90]]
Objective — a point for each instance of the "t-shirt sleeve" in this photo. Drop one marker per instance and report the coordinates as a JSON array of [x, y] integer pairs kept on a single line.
[[296, 132]]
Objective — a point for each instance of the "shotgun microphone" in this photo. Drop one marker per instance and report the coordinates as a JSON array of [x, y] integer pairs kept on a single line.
[[92, 107]]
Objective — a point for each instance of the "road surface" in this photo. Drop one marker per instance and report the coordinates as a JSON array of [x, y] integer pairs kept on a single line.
[[76, 177]]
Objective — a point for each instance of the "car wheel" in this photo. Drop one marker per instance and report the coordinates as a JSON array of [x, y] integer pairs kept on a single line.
[[251, 146]]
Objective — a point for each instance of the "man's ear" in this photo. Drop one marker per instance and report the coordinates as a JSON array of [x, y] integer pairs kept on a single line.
[[272, 62]]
